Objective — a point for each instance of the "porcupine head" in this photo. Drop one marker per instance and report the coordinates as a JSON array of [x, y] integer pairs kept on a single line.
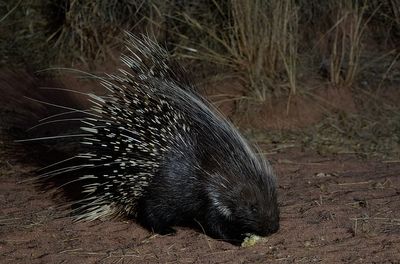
[[156, 150]]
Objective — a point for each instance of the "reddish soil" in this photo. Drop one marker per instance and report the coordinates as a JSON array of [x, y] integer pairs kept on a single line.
[[298, 112], [334, 209]]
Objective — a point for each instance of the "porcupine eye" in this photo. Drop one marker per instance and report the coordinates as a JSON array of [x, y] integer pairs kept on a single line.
[[250, 213], [247, 211], [253, 213], [253, 209]]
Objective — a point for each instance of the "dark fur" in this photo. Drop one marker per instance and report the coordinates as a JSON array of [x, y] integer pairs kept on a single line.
[[155, 149], [182, 190]]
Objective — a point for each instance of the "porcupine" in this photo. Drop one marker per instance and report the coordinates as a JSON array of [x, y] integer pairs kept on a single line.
[[154, 149]]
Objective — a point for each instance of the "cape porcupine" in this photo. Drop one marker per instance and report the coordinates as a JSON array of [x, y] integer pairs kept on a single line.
[[156, 150]]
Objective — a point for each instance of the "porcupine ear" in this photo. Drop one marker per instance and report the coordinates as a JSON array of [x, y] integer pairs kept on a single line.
[[149, 60]]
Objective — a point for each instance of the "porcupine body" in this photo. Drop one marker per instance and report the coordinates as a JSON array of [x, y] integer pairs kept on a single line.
[[156, 150]]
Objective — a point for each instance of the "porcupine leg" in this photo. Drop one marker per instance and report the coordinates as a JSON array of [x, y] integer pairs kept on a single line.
[[218, 227], [151, 216]]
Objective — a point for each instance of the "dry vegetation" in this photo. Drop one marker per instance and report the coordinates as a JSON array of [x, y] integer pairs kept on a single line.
[[276, 49], [269, 44]]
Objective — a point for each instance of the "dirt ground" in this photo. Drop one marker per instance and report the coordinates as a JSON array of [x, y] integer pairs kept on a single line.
[[334, 209]]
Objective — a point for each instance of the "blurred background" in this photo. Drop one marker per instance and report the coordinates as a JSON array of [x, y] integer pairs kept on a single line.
[[293, 73]]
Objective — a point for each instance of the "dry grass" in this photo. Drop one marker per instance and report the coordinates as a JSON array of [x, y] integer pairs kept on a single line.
[[264, 43], [92, 29], [256, 39], [39, 33], [272, 47], [347, 45]]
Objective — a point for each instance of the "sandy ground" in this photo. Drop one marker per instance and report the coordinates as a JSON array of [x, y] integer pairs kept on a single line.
[[334, 209]]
